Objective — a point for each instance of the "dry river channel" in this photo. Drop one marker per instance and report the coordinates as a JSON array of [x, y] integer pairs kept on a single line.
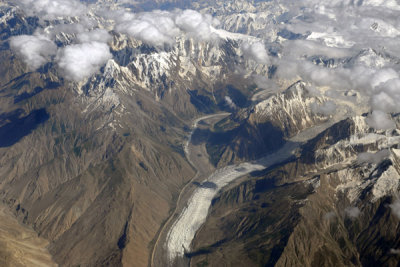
[[176, 235]]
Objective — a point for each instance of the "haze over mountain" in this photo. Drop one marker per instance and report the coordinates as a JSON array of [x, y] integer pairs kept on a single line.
[[201, 133]]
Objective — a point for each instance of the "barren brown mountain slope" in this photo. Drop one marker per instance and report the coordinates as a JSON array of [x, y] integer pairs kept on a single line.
[[20, 246], [324, 208], [95, 167]]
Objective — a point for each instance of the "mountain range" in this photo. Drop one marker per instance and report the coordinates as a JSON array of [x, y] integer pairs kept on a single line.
[[277, 120]]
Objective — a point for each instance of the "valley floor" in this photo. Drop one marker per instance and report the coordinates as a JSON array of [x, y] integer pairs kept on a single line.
[[194, 210], [198, 157], [20, 245]]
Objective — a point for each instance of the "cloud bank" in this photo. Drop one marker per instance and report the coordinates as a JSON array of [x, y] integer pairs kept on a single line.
[[256, 52], [52, 9], [80, 61], [155, 28], [76, 61], [332, 31], [97, 35], [196, 25], [158, 28], [374, 158], [85, 44], [380, 120], [335, 31], [327, 108], [264, 83], [36, 50]]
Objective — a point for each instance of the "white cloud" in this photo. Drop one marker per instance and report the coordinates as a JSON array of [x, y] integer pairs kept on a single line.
[[300, 48], [387, 96], [196, 25], [288, 69], [382, 76], [374, 158], [51, 9], [155, 28], [80, 61], [352, 212], [393, 4], [395, 206], [89, 50], [230, 102], [256, 51], [380, 86], [116, 15], [97, 35], [264, 83], [361, 38], [162, 27], [35, 50], [327, 108], [380, 120]]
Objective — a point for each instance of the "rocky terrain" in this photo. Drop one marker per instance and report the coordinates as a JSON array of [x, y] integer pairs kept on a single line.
[[263, 128], [21, 246], [97, 104], [102, 156], [345, 202]]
